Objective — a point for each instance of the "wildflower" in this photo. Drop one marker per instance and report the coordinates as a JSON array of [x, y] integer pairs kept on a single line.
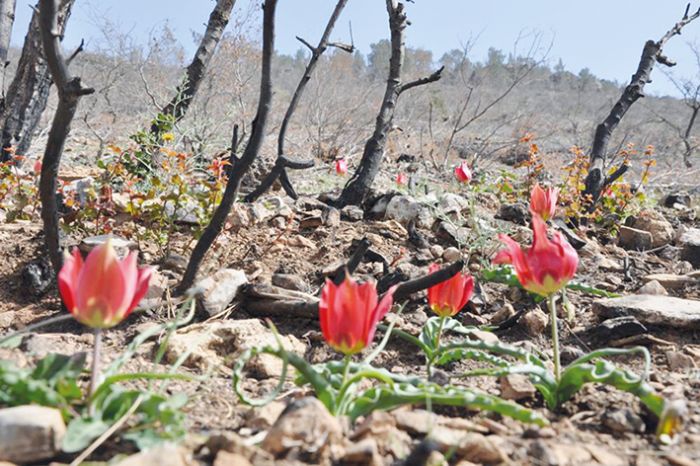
[[349, 314], [544, 202], [447, 298], [168, 137], [341, 167], [103, 290], [401, 179], [463, 172], [544, 268]]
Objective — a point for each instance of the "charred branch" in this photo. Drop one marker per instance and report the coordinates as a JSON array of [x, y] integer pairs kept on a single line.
[[269, 301], [70, 90], [28, 92], [358, 186], [279, 170], [194, 75], [240, 165], [652, 53]]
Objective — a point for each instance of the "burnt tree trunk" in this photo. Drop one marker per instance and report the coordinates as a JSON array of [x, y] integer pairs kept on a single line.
[[185, 92], [358, 186], [69, 92], [596, 181], [7, 19], [239, 166], [279, 170], [28, 92]]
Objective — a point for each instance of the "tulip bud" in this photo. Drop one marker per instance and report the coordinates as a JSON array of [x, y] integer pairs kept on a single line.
[[547, 266], [103, 290], [544, 202], [447, 298], [349, 314], [401, 179], [341, 167], [463, 173]]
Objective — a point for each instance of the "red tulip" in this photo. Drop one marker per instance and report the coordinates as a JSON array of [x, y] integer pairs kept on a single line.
[[103, 290], [37, 167], [349, 314], [341, 167], [401, 179], [463, 172], [544, 202], [544, 268], [447, 298]]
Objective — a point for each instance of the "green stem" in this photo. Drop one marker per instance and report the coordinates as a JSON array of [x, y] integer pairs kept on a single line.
[[439, 333], [551, 301], [95, 371], [430, 357]]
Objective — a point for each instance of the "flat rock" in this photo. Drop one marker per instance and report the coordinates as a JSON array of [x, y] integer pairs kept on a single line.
[[672, 281], [215, 343], [634, 239], [122, 246], [30, 433], [616, 328], [290, 281], [534, 321], [219, 289], [516, 213], [665, 311]]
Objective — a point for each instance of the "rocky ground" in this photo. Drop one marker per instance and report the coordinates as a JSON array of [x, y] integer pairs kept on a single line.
[[288, 247]]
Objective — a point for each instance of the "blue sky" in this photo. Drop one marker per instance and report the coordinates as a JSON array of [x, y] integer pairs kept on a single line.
[[605, 36]]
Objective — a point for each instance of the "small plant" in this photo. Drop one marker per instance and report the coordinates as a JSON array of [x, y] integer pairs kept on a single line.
[[100, 293], [349, 314], [19, 189]]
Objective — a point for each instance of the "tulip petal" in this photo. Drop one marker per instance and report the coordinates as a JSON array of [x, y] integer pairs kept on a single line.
[[101, 286], [142, 281], [68, 278]]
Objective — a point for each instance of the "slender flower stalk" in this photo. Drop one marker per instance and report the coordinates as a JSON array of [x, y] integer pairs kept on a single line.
[[543, 269], [551, 301]]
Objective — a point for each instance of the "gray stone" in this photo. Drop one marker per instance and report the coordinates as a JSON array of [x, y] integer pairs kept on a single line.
[[331, 217], [352, 213], [690, 246], [634, 239], [450, 203], [617, 328], [403, 209], [652, 309], [30, 433], [289, 281], [219, 289]]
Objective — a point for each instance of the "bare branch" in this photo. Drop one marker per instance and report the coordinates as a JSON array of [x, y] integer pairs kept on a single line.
[[282, 162], [435, 76], [70, 90], [240, 166]]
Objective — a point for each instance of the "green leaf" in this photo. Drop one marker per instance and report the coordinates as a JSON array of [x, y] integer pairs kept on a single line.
[[386, 397], [81, 432], [55, 367]]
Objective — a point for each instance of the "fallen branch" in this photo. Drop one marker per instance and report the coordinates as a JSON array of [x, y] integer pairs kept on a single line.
[[272, 301], [70, 90]]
